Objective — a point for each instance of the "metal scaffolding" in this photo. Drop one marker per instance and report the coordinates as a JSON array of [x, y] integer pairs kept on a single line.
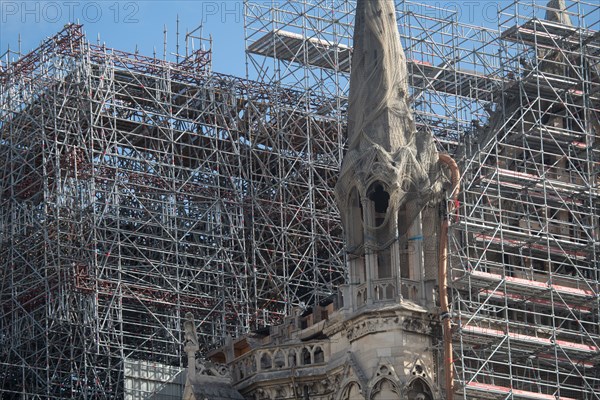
[[517, 105], [135, 189], [525, 274], [307, 149]]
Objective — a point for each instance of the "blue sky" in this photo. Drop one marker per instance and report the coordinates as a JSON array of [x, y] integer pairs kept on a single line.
[[123, 24]]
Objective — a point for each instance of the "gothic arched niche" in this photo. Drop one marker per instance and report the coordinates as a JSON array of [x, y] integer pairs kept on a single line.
[[385, 390], [380, 198], [403, 225], [279, 359], [355, 237], [352, 392], [355, 219], [419, 390], [376, 212]]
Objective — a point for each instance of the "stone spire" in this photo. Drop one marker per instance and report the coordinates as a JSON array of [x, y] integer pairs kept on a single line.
[[390, 170], [382, 139], [378, 109], [557, 12]]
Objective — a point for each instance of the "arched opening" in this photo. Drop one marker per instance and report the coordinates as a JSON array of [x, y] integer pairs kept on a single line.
[[265, 361], [418, 389], [355, 237], [355, 219], [385, 390], [384, 264], [352, 392], [403, 225], [279, 359], [305, 357], [381, 201], [319, 355], [378, 208]]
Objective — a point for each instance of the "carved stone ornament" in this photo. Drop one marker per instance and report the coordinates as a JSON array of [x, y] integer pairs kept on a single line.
[[209, 368], [416, 325], [371, 325], [262, 394]]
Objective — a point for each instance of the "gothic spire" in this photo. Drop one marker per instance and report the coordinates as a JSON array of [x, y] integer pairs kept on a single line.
[[387, 159], [378, 104], [556, 11]]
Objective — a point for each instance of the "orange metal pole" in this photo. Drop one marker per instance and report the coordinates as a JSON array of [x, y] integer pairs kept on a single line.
[[443, 279]]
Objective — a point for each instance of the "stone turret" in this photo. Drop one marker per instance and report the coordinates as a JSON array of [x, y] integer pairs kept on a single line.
[[390, 173]]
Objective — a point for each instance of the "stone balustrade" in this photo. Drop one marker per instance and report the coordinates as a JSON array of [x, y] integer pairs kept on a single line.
[[361, 295], [280, 358], [387, 290], [411, 290]]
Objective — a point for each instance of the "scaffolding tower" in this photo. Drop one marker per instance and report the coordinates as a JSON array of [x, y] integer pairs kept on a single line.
[[518, 105], [135, 189], [307, 150], [525, 275]]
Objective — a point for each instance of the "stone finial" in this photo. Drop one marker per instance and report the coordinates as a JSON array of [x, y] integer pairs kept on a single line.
[[191, 339], [190, 346]]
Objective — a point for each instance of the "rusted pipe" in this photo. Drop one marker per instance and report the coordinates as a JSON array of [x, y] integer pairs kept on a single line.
[[455, 175], [443, 278]]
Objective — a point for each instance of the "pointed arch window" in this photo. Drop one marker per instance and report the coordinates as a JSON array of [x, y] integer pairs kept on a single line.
[[380, 198], [355, 237], [355, 219], [352, 392], [418, 389], [385, 390]]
